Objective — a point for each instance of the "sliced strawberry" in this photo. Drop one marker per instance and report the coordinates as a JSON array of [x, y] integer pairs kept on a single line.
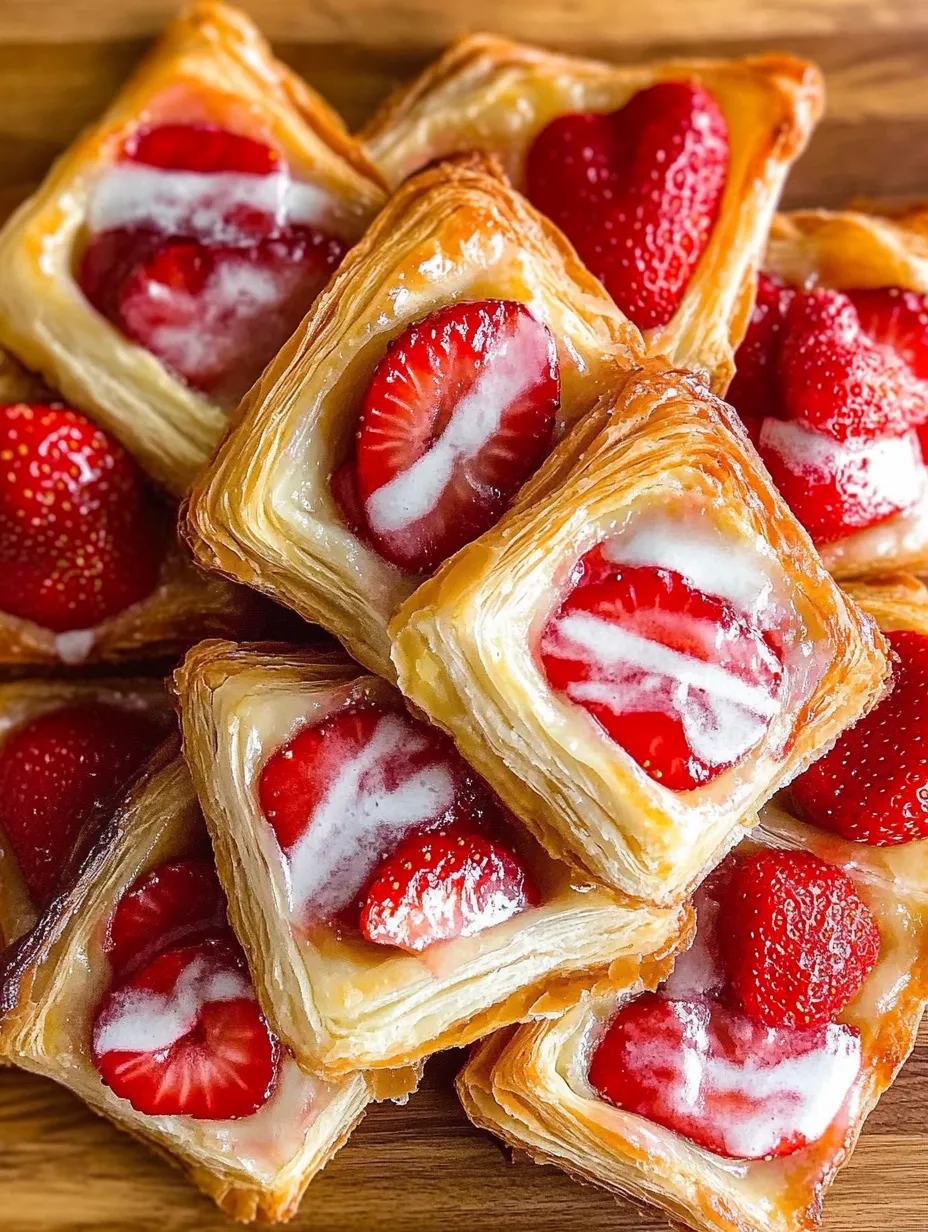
[[79, 539], [185, 1037], [449, 883], [898, 319], [54, 772], [755, 389], [872, 785], [163, 909], [344, 484], [798, 940], [837, 380], [213, 314], [200, 147], [731, 1085], [837, 488], [683, 682], [343, 792], [458, 414], [636, 191]]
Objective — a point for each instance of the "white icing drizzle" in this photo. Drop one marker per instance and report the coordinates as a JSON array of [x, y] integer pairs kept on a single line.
[[360, 817], [509, 372], [200, 204], [139, 1020]]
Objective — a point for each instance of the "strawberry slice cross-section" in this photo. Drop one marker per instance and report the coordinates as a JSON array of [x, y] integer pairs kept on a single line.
[[682, 681], [55, 771], [637, 192], [458, 414], [731, 1085], [184, 1036]]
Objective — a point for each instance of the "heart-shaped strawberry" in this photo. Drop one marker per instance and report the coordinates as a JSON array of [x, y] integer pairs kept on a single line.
[[636, 191], [79, 537]]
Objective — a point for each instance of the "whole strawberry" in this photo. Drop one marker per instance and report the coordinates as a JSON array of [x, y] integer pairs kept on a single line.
[[79, 540], [797, 939], [872, 785]]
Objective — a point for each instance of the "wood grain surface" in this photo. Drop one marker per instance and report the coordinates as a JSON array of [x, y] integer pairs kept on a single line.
[[422, 1168]]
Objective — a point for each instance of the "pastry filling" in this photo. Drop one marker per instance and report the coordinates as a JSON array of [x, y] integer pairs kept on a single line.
[[206, 251], [80, 537], [833, 388], [459, 413], [386, 831], [872, 785], [57, 772], [740, 1051], [179, 1032], [676, 663], [637, 192]]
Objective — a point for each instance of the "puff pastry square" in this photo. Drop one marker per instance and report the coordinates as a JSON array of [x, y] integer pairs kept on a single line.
[[340, 1001], [213, 65], [264, 513], [663, 476], [486, 93], [23, 701], [846, 251], [530, 1086], [257, 1166]]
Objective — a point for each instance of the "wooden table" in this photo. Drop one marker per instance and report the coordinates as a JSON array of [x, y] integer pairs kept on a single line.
[[422, 1168]]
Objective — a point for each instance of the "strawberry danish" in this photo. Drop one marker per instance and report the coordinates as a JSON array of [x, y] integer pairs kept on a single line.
[[388, 904]]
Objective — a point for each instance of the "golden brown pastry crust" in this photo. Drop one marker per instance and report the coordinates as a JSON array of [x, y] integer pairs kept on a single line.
[[342, 1005], [21, 702], [263, 513], [491, 94], [44, 318], [463, 643], [56, 975], [846, 250], [529, 1087]]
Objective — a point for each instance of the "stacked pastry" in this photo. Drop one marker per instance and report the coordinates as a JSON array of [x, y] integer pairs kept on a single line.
[[588, 620]]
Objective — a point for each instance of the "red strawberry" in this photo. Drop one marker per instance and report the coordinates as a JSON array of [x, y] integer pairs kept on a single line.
[[344, 485], [755, 390], [872, 786], [728, 1084], [837, 488], [458, 414], [450, 883], [79, 540], [55, 770], [213, 314], [837, 380], [684, 683], [637, 192], [798, 940], [163, 909], [898, 319], [344, 791], [185, 1037], [200, 147]]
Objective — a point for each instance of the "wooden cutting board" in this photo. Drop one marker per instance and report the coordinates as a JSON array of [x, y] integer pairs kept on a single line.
[[422, 1168]]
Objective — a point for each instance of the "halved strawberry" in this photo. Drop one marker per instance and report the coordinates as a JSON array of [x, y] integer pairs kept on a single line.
[[755, 389], [213, 314], [185, 1037], [79, 537], [837, 488], [206, 148], [449, 883], [344, 791], [54, 772], [837, 380], [162, 909], [680, 679], [458, 414], [896, 318], [872, 785], [731, 1085], [637, 191], [798, 940]]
